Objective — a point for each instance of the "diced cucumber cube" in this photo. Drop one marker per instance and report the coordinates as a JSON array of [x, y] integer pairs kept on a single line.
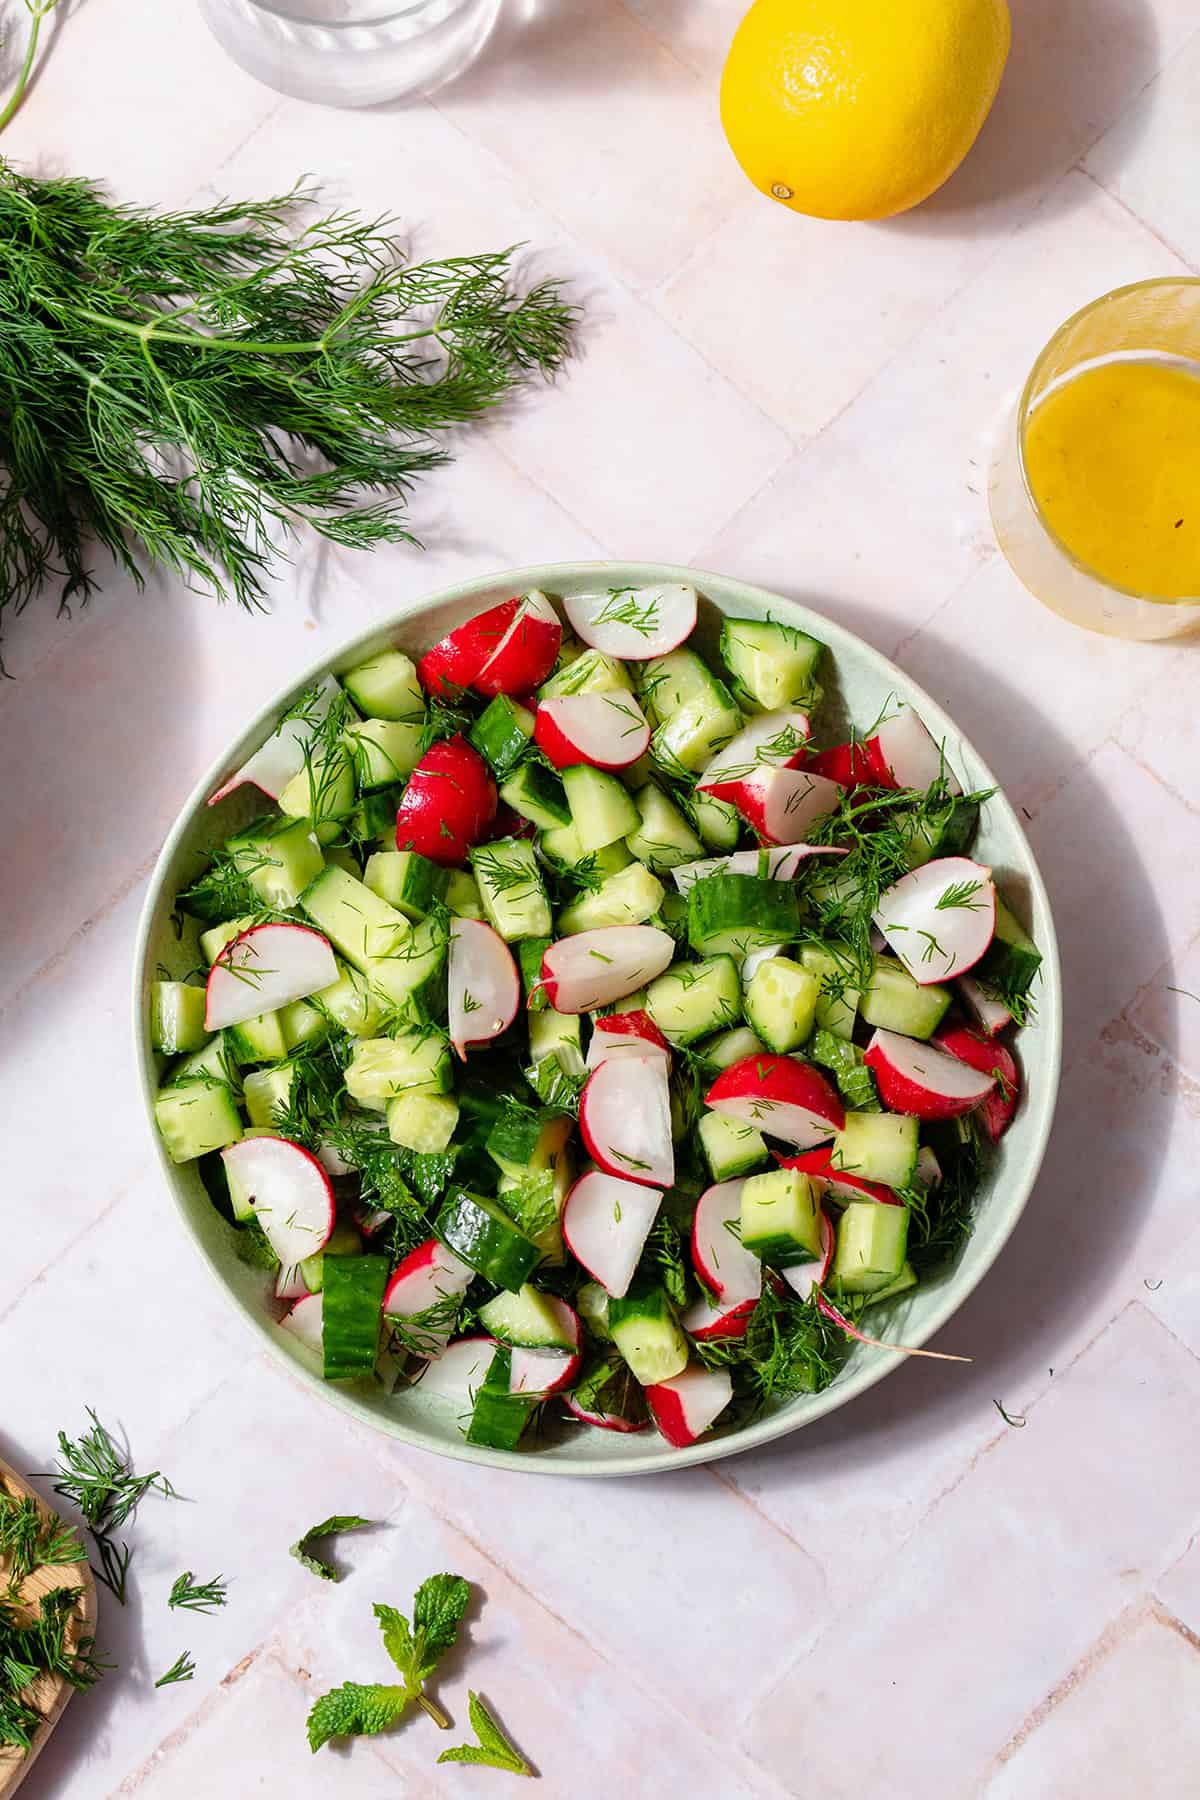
[[563, 848], [530, 952], [740, 913], [729, 1047], [462, 895], [351, 1003], [781, 1217], [510, 888], [871, 1240], [501, 734], [279, 860], [259, 1039], [730, 1149], [557, 1034], [265, 1090], [193, 1119], [526, 1319], [424, 1122], [214, 940], [177, 1017], [1012, 959], [770, 665], [837, 1001], [894, 1001], [717, 822], [384, 751], [628, 898], [352, 1315], [302, 1022], [364, 928], [664, 839], [693, 1000], [410, 882], [538, 795], [644, 1329], [386, 686], [323, 794], [781, 1003], [880, 1146], [498, 1417], [601, 810], [591, 672], [481, 1232], [381, 1068]]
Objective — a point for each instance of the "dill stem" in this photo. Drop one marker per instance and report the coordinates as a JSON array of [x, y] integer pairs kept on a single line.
[[35, 32], [198, 340]]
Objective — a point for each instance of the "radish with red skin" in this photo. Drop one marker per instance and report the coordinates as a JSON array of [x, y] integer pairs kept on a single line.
[[919, 1078], [597, 968], [708, 1319], [779, 862], [305, 1321], [290, 1283], [263, 968], [785, 1098], [989, 1058], [940, 918], [290, 1193], [764, 773], [483, 985], [634, 624], [733, 1273], [427, 1275], [686, 1406], [625, 1119], [904, 755], [448, 805], [526, 653], [454, 662], [605, 1421], [989, 1013], [831, 1312], [605, 1222], [275, 763], [605, 731], [820, 1166], [850, 765], [549, 1371], [804, 1278], [626, 1034], [457, 1373]]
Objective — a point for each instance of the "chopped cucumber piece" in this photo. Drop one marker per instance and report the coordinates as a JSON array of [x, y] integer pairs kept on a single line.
[[740, 913], [694, 999], [194, 1118], [906, 1279], [837, 1002], [381, 1068], [591, 672], [644, 1329], [525, 1319], [628, 898], [1011, 960], [664, 839], [666, 683], [501, 734], [214, 940], [688, 740], [871, 1240], [279, 860], [177, 1017], [530, 952], [265, 1090], [384, 751], [844, 1060], [214, 1063], [591, 1303], [410, 882], [770, 665], [302, 1022], [386, 686], [422, 1120], [729, 1047], [482, 1234], [781, 1218], [363, 927], [717, 822], [557, 1034], [510, 887], [602, 811], [538, 795], [893, 1000], [563, 848], [880, 1146], [781, 1003], [730, 1149], [945, 833], [462, 895], [352, 1314], [323, 794], [498, 1418], [259, 1039], [351, 1003]]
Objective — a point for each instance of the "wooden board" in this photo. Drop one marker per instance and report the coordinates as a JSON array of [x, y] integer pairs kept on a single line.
[[51, 1693]]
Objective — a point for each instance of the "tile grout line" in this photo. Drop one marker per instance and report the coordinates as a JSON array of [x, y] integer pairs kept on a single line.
[[1137, 218], [80, 933]]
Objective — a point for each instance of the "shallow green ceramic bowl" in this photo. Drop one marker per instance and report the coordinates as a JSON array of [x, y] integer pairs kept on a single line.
[[860, 682]]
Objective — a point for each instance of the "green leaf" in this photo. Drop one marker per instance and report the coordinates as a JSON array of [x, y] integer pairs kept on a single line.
[[493, 1748], [438, 1608], [353, 1710], [303, 1549]]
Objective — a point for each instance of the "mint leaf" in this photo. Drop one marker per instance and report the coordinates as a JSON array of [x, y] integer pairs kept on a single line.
[[353, 1710], [303, 1549], [493, 1747], [438, 1609]]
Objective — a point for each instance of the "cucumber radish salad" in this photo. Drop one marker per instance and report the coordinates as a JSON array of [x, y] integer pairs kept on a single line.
[[586, 1029]]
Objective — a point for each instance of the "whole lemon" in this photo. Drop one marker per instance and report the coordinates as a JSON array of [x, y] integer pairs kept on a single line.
[[857, 109]]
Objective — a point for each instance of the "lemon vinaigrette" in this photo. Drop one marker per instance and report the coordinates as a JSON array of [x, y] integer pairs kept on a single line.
[[1112, 457]]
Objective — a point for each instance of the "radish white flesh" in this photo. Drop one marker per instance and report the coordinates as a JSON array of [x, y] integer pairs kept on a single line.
[[289, 1191], [458, 1373], [989, 1013], [627, 1034], [605, 1421], [484, 988], [266, 967], [793, 801], [919, 1078], [780, 1095], [684, 1407], [903, 749], [290, 1283], [775, 862], [605, 1223], [723, 1264], [609, 731], [526, 653], [306, 1321], [634, 624], [274, 763], [428, 1274], [928, 1172], [939, 919], [756, 957], [717, 1319], [596, 968], [802, 1278], [773, 740], [625, 1119], [548, 1371]]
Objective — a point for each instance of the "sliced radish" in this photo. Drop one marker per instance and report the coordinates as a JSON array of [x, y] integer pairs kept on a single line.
[[606, 1421], [596, 968], [625, 1119], [289, 1191], [785, 1098], [626, 1034], [850, 765], [988, 1011], [989, 1058], [369, 1219], [792, 802], [427, 1275], [773, 862], [903, 755], [526, 653], [802, 1278], [939, 919], [707, 1319], [549, 1371], [456, 661], [775, 740], [290, 1283], [634, 624], [605, 1223], [458, 1373], [921, 1079], [305, 1321], [684, 1407], [282, 756], [755, 958], [819, 1164], [448, 805], [266, 967], [607, 731], [483, 986], [928, 1171], [831, 1312], [733, 1273]]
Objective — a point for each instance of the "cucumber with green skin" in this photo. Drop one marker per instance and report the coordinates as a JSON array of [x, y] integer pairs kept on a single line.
[[499, 1418], [352, 1314], [480, 1232], [502, 734], [739, 913]]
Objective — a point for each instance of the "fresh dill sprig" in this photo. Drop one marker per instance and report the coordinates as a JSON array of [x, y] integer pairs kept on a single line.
[[624, 608], [94, 1473], [197, 1596], [31, 1538], [182, 1669]]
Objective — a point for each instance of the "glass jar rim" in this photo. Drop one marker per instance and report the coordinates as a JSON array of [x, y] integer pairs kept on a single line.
[[388, 12]]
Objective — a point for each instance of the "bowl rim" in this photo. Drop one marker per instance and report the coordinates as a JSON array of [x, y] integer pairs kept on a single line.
[[875, 1365]]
